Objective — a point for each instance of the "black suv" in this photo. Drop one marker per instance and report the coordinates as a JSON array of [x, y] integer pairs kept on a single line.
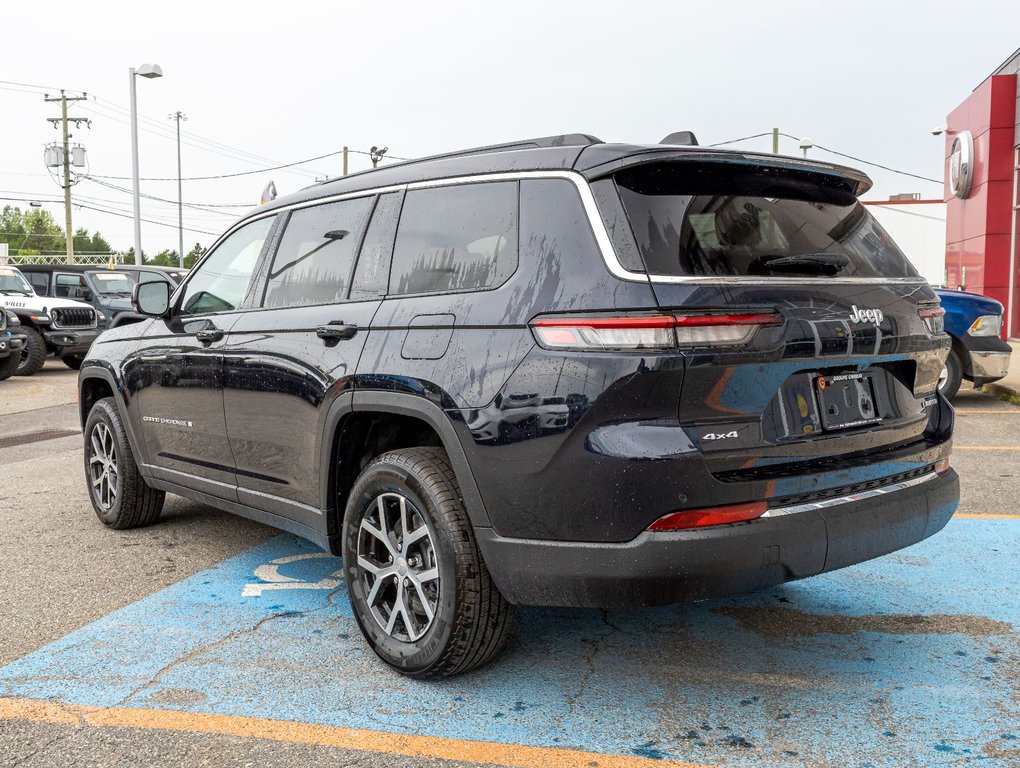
[[556, 372]]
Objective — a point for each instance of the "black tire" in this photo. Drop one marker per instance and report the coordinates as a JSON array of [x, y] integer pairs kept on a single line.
[[33, 356], [471, 620], [135, 503], [9, 365], [73, 361], [953, 376]]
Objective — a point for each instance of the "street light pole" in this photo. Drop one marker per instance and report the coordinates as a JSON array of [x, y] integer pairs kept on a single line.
[[178, 116], [148, 71]]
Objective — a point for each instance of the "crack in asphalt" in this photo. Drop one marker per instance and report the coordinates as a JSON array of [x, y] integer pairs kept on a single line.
[[213, 645]]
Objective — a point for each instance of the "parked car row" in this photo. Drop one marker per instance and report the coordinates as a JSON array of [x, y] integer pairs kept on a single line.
[[59, 309]]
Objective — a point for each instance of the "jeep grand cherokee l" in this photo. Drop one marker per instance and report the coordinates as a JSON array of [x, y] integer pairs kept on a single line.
[[751, 366]]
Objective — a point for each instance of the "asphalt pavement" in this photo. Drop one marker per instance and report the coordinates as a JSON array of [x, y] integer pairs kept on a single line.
[[211, 640]]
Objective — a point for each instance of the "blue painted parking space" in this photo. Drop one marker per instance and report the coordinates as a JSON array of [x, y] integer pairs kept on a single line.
[[912, 659]]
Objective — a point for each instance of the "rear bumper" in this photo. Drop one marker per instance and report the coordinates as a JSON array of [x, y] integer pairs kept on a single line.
[[661, 568], [70, 342]]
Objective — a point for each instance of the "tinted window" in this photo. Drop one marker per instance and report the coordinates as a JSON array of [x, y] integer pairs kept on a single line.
[[373, 271], [316, 255], [555, 228], [221, 281], [763, 222], [456, 238], [151, 277], [65, 286], [40, 282]]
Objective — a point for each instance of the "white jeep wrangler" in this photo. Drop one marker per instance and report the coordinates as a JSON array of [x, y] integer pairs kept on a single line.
[[61, 326]]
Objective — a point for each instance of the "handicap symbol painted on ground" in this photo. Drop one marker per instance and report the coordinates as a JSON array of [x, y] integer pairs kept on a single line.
[[271, 578]]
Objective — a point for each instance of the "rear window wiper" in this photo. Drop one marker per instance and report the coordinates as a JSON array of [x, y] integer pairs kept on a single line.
[[822, 263]]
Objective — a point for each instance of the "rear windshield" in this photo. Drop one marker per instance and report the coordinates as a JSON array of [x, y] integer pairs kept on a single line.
[[764, 222]]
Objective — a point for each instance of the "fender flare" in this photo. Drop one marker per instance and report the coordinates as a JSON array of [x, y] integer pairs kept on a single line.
[[417, 407], [91, 370]]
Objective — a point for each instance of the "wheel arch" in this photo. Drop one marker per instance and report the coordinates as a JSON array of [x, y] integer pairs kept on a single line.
[[95, 383], [361, 426]]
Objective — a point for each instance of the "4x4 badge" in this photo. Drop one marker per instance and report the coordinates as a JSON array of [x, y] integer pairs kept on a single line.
[[720, 435]]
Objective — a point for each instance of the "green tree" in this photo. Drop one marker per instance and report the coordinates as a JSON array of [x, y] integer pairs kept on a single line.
[[31, 231], [165, 258], [194, 255], [86, 243]]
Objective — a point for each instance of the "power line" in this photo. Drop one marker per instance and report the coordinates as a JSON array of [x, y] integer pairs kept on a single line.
[[223, 175], [122, 214], [867, 162], [743, 138], [195, 206]]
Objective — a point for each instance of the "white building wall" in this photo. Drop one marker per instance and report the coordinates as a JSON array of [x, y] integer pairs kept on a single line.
[[920, 231]]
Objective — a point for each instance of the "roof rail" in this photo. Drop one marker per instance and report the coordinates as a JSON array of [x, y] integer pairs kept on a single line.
[[563, 140]]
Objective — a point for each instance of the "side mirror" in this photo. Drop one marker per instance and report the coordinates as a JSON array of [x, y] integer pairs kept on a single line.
[[84, 294], [151, 299]]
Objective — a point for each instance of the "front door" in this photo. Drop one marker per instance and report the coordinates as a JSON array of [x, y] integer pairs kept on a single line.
[[177, 370]]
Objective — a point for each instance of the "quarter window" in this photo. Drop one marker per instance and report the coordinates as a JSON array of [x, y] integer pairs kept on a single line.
[[221, 282], [40, 282], [456, 238], [315, 258]]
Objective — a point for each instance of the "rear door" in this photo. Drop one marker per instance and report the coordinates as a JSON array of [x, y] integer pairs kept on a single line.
[[290, 359], [842, 363]]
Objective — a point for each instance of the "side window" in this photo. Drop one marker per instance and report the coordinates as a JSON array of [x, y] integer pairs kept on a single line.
[[315, 258], [65, 285], [151, 277], [220, 283], [40, 282], [373, 270], [456, 238]]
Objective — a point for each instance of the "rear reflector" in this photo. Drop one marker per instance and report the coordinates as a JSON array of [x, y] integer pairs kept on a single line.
[[700, 518], [649, 331]]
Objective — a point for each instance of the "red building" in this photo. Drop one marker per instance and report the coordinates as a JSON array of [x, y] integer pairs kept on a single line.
[[982, 161]]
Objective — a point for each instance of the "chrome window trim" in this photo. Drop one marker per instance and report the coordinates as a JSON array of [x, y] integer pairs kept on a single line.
[[835, 501], [594, 220]]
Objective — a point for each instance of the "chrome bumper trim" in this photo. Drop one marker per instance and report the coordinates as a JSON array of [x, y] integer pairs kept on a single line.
[[835, 501], [988, 365]]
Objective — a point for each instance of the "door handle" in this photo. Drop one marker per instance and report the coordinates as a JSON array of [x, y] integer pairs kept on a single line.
[[336, 330], [209, 335]]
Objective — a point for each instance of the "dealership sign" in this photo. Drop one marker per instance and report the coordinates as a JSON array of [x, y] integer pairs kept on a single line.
[[961, 164]]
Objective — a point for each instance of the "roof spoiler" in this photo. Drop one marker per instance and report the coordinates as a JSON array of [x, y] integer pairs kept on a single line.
[[681, 139]]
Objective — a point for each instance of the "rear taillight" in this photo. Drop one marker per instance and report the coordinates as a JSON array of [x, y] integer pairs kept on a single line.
[[933, 318], [650, 331], [700, 518]]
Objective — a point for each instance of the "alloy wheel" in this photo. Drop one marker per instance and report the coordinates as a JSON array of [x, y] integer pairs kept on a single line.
[[103, 466], [943, 378], [397, 567]]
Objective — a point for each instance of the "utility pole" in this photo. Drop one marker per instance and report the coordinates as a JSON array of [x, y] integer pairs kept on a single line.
[[775, 141], [69, 238], [178, 116], [345, 160]]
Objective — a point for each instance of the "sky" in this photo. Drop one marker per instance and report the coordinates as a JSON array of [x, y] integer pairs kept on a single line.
[[269, 83]]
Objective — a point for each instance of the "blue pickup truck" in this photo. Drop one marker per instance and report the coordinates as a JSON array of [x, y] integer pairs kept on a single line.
[[979, 354]]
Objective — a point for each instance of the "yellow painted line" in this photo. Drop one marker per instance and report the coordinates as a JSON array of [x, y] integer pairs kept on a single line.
[[986, 448], [984, 516], [493, 753]]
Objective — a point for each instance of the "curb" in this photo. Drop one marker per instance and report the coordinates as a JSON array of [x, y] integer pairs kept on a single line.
[[1004, 391]]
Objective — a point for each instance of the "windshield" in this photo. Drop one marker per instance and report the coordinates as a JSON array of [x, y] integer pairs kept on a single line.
[[110, 282], [12, 281], [716, 221]]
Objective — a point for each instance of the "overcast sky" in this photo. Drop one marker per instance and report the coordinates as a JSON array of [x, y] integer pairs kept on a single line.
[[277, 82]]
